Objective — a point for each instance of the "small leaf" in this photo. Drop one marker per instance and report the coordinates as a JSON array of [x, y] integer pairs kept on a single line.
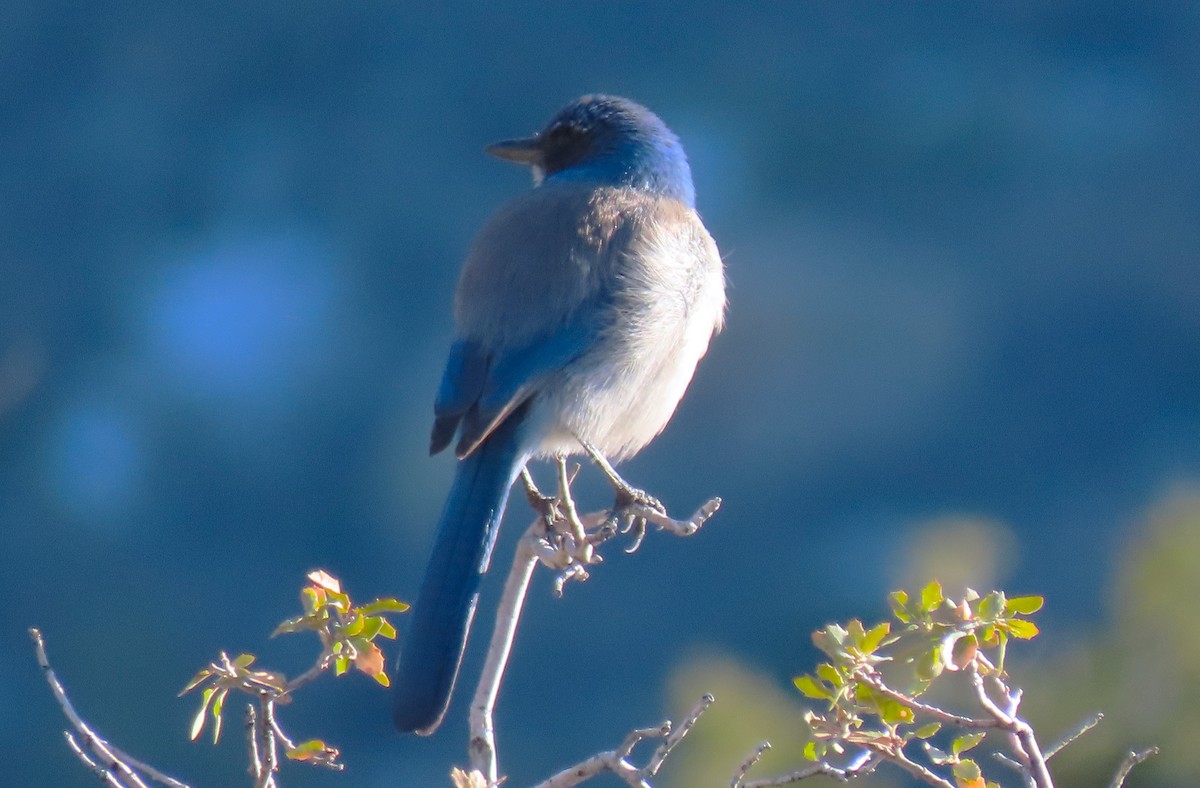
[[311, 600], [966, 742], [370, 660], [386, 630], [931, 597], [927, 730], [814, 750], [218, 704], [244, 661], [812, 688], [830, 674], [967, 774], [1020, 628], [991, 605], [939, 757], [320, 577], [196, 681], [957, 650], [313, 750], [198, 720], [929, 665], [341, 663], [872, 639], [898, 600], [385, 605], [1024, 605]]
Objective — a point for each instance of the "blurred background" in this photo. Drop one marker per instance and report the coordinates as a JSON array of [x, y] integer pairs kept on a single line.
[[963, 342]]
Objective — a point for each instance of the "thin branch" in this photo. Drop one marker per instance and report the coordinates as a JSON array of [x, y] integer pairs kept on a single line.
[[1131, 760], [105, 757], [1071, 738], [939, 715], [483, 732], [917, 770], [677, 735], [98, 770], [1021, 730], [617, 760], [748, 763], [256, 757], [865, 763]]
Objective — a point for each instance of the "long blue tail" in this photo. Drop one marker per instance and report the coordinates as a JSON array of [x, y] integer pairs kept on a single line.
[[446, 603]]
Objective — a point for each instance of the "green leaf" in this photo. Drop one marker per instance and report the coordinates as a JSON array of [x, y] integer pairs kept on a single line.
[[196, 681], [218, 704], [812, 688], [1020, 628], [929, 665], [831, 640], [966, 742], [927, 730], [814, 751], [939, 757], [898, 600], [830, 674], [382, 678], [872, 639], [356, 626], [198, 720], [967, 774], [341, 663], [244, 661], [931, 597], [1024, 605], [386, 605], [386, 630], [311, 599]]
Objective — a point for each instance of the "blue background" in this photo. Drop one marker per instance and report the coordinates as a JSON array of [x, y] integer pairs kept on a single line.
[[962, 244]]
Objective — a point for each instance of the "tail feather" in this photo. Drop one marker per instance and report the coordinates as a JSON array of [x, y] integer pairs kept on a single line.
[[445, 604]]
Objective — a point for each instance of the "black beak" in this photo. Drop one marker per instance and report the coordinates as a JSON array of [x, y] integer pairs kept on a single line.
[[526, 150]]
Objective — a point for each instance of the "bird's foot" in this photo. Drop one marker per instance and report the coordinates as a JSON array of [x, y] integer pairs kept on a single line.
[[547, 506]]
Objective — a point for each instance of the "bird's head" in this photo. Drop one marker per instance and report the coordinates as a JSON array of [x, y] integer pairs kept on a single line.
[[608, 140]]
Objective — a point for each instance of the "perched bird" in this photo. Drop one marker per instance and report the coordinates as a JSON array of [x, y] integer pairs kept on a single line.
[[581, 312]]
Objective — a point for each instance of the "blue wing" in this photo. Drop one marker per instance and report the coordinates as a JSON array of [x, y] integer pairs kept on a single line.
[[480, 389]]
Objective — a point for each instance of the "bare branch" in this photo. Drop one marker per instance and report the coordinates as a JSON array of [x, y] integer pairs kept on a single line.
[[1070, 738], [677, 735], [100, 756], [616, 760], [1026, 742], [864, 763], [748, 763], [1131, 760], [483, 733]]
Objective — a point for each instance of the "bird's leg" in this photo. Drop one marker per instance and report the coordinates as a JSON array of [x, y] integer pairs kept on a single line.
[[545, 505], [627, 497], [627, 494], [571, 514]]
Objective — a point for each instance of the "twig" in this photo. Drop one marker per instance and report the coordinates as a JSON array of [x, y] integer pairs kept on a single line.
[[864, 763], [1087, 726], [748, 763], [873, 680], [616, 760], [118, 767], [677, 734], [1131, 760]]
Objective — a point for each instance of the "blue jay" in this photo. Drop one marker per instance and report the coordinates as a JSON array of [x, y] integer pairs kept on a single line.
[[582, 310]]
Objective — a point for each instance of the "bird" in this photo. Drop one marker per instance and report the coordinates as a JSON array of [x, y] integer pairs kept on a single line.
[[581, 312]]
